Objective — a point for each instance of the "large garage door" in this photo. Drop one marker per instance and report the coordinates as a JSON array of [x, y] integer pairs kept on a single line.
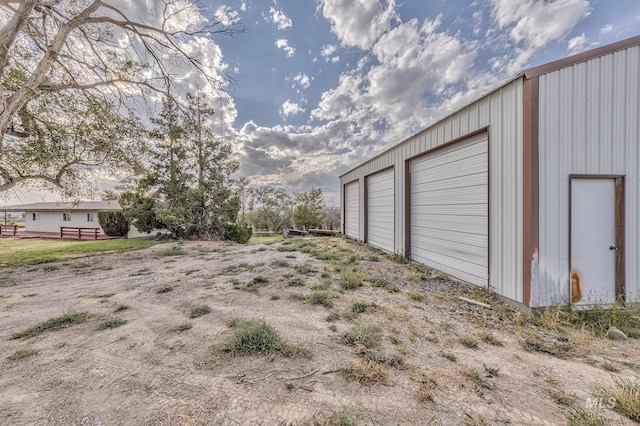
[[380, 210], [449, 210], [352, 210]]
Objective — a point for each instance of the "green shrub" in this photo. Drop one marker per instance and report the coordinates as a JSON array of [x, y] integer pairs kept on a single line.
[[113, 223], [239, 234]]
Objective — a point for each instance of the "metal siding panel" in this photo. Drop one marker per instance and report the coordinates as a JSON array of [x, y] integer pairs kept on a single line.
[[381, 226], [449, 220], [588, 125]]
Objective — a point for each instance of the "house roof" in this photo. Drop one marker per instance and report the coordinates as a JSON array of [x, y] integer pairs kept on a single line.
[[60, 206]]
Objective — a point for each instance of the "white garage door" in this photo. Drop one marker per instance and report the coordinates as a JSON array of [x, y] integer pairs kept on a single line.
[[352, 210], [380, 210], [449, 210]]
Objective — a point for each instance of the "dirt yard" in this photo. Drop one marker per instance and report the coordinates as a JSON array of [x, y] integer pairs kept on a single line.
[[145, 349]]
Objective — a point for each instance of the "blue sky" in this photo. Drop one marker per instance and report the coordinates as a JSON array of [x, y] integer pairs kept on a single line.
[[323, 85]]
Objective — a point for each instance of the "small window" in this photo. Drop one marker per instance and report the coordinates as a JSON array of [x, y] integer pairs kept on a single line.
[[89, 217], [66, 217], [35, 216]]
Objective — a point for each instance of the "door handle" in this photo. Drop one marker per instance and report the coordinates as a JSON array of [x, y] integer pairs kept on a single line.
[[614, 248]]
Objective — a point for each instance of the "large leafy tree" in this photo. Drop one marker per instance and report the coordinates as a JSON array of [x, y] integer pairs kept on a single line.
[[309, 212], [105, 55], [273, 208], [70, 135]]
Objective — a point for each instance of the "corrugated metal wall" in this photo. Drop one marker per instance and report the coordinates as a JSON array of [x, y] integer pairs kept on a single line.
[[501, 112], [589, 124]]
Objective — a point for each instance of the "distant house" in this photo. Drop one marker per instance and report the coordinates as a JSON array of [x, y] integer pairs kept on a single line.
[[50, 216]]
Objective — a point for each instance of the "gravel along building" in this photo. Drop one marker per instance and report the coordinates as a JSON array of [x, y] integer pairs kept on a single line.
[[532, 190]]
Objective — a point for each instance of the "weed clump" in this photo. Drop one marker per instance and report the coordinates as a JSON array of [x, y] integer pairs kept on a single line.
[[363, 334], [52, 324], [560, 350], [398, 258], [626, 396], [321, 298], [351, 278], [23, 353], [363, 307], [178, 328], [582, 417], [198, 311], [296, 282], [251, 337], [172, 251], [416, 296], [367, 373], [111, 323], [596, 317]]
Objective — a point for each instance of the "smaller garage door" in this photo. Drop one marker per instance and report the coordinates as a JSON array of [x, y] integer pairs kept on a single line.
[[352, 210], [380, 210]]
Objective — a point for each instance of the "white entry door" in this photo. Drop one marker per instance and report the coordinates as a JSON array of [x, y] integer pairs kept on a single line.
[[593, 241]]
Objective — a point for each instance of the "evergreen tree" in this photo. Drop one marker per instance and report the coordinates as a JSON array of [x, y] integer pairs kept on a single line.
[[187, 186]]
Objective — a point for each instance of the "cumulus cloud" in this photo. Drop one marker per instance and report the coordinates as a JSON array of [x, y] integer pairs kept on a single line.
[[279, 18], [414, 61], [226, 16], [284, 45], [302, 80], [532, 24], [358, 23], [577, 44], [606, 29], [290, 108], [328, 50]]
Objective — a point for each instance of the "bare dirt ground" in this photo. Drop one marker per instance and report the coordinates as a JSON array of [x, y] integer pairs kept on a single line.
[[440, 360]]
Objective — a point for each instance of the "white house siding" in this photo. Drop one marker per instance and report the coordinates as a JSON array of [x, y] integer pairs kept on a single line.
[[589, 124], [380, 215], [502, 113], [52, 221]]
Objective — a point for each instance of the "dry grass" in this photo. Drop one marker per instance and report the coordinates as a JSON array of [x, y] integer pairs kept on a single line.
[[52, 324], [368, 373]]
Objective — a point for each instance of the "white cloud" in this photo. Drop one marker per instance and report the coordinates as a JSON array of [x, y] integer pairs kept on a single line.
[[302, 80], [279, 18], [328, 50], [284, 45], [533, 24], [358, 23], [577, 44], [290, 108], [226, 16], [606, 29], [335, 59]]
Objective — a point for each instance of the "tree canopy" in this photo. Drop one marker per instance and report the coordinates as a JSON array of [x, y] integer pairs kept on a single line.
[[72, 73], [187, 189]]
